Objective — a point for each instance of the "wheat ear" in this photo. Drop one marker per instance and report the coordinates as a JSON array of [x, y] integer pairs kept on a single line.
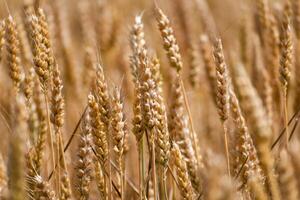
[[222, 92], [286, 62], [13, 52], [169, 40]]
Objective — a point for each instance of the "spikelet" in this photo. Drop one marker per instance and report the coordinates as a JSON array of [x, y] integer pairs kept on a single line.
[[286, 49], [169, 40], [102, 97], [83, 169], [246, 152], [222, 96], [87, 22], [97, 129], [64, 183], [88, 68], [181, 133], [42, 128], [273, 52], [137, 42], [100, 180], [287, 181], [42, 190], [28, 91], [24, 43], [44, 30], [252, 105], [268, 97], [194, 67], [184, 182], [103, 24], [100, 141], [264, 14], [118, 134], [160, 116], [57, 101], [30, 171], [29, 85], [13, 52], [39, 51]]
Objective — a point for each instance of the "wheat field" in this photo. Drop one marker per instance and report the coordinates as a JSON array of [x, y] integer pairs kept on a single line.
[[149, 99]]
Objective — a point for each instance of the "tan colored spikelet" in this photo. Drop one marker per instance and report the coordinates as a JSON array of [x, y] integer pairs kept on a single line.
[[209, 65], [42, 190], [160, 116], [83, 168], [246, 151], [137, 42], [39, 51], [100, 180], [102, 97], [31, 173], [24, 43], [97, 129], [44, 30], [184, 183], [252, 105], [263, 13], [286, 48], [87, 22], [28, 91], [273, 52], [194, 67], [287, 181], [42, 128], [118, 125], [57, 101], [89, 68], [169, 40], [103, 24], [245, 40], [28, 85], [222, 95], [181, 133], [64, 183], [13, 52], [118, 135]]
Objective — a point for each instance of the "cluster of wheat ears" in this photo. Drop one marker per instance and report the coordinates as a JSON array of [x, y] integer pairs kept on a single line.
[[158, 100]]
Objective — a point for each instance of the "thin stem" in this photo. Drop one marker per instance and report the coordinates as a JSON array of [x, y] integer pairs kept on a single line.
[[109, 172], [58, 156], [286, 115], [50, 136], [154, 168], [141, 150], [226, 147]]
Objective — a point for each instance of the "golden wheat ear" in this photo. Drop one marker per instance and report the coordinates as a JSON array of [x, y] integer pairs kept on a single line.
[[169, 41]]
